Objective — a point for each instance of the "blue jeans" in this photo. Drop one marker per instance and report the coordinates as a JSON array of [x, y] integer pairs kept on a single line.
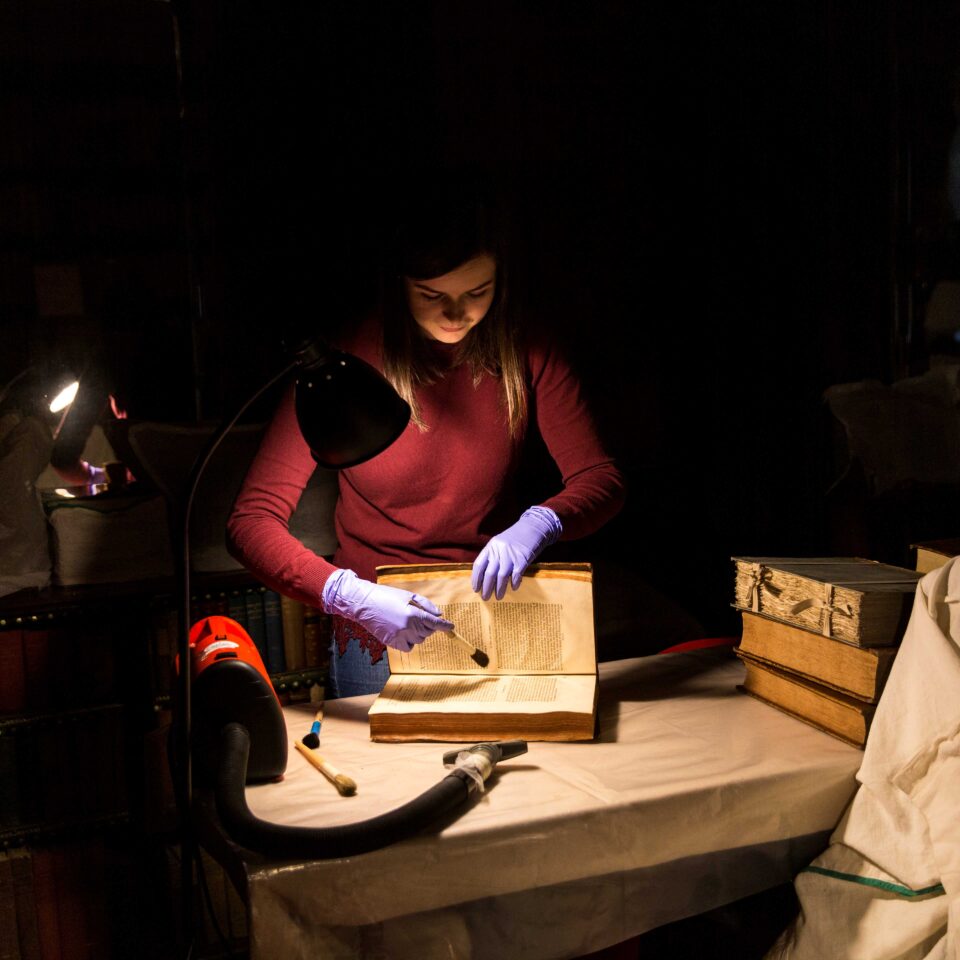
[[354, 672]]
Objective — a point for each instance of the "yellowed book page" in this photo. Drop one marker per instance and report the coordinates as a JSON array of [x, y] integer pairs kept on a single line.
[[410, 693], [544, 627]]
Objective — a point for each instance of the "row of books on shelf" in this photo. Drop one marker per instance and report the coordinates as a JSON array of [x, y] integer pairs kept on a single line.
[[292, 637], [56, 665], [61, 769], [55, 901], [821, 634]]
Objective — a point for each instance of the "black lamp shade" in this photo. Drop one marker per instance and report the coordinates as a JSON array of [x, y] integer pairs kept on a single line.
[[348, 412]]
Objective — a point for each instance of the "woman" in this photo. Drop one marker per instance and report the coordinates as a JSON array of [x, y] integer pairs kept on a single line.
[[477, 381]]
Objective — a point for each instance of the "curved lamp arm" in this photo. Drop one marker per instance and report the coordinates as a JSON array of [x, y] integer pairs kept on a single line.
[[348, 413]]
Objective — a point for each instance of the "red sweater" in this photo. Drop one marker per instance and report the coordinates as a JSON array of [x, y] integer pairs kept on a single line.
[[434, 496]]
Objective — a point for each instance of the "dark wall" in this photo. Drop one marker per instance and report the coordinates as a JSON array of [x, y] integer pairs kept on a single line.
[[709, 203]]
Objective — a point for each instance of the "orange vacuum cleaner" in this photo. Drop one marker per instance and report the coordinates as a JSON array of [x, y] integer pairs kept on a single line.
[[231, 684], [239, 737]]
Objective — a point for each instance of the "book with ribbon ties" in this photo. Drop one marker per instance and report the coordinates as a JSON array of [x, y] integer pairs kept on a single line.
[[851, 599]]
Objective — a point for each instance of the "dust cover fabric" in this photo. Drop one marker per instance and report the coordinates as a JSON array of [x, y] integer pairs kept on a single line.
[[888, 884]]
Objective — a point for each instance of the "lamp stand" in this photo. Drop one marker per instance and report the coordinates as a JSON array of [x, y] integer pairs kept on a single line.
[[182, 717]]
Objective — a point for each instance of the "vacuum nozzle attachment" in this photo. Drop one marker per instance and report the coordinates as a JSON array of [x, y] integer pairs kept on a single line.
[[476, 763]]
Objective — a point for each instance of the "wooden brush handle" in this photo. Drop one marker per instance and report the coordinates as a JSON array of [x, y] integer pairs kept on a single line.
[[345, 786], [463, 641]]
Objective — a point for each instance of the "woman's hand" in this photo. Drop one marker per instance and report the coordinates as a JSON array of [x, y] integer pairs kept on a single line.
[[398, 618], [508, 554]]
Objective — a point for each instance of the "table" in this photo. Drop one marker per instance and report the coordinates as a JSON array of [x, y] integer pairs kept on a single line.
[[693, 795]]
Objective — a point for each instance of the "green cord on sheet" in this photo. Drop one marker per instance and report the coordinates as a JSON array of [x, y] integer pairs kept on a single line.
[[896, 888]]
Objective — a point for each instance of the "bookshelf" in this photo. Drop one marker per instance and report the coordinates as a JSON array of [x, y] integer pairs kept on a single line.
[[85, 716], [72, 724]]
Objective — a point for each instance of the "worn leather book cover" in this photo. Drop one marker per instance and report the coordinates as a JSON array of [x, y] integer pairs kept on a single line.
[[858, 601], [857, 671], [818, 705]]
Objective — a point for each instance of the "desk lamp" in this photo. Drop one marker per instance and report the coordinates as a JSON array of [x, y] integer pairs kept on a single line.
[[69, 406], [80, 403], [348, 413]]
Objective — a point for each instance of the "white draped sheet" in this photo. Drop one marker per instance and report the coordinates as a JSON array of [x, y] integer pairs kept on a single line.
[[693, 795], [888, 885]]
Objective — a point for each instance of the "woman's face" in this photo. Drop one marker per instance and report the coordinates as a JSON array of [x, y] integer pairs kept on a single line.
[[448, 307]]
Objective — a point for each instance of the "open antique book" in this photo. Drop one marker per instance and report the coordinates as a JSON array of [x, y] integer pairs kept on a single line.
[[541, 680]]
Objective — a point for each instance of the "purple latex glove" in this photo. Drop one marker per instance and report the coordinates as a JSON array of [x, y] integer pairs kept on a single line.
[[386, 612], [508, 554]]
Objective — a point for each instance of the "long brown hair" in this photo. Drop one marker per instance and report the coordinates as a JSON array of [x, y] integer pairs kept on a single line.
[[447, 223]]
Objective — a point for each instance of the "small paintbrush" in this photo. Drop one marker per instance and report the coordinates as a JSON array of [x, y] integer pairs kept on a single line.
[[476, 654], [346, 786], [312, 739]]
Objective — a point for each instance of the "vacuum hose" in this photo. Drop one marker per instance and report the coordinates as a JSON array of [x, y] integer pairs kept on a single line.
[[325, 843]]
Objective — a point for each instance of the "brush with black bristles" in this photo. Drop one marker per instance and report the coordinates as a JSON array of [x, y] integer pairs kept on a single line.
[[312, 739], [476, 654]]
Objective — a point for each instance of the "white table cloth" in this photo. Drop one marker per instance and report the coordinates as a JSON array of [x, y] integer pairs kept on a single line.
[[694, 794]]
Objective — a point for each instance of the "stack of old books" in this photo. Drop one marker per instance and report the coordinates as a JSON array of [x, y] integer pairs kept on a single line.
[[820, 635]]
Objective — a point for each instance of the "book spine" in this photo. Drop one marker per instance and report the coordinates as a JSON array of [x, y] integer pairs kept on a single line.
[[196, 610], [47, 755], [95, 897], [164, 629], [37, 663], [101, 738], [84, 665], [808, 654], [45, 893], [28, 928], [9, 781], [273, 628], [61, 768], [213, 605], [237, 608], [253, 602], [74, 743], [316, 637], [9, 938], [292, 613], [82, 885], [29, 796], [72, 897], [13, 680]]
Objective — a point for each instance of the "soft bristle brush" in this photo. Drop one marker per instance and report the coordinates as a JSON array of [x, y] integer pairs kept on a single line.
[[476, 654], [312, 739], [346, 786]]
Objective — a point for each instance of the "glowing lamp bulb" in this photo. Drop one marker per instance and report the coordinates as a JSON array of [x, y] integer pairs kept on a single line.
[[65, 397]]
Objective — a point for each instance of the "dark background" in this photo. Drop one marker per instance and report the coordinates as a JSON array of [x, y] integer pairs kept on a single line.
[[725, 208]]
